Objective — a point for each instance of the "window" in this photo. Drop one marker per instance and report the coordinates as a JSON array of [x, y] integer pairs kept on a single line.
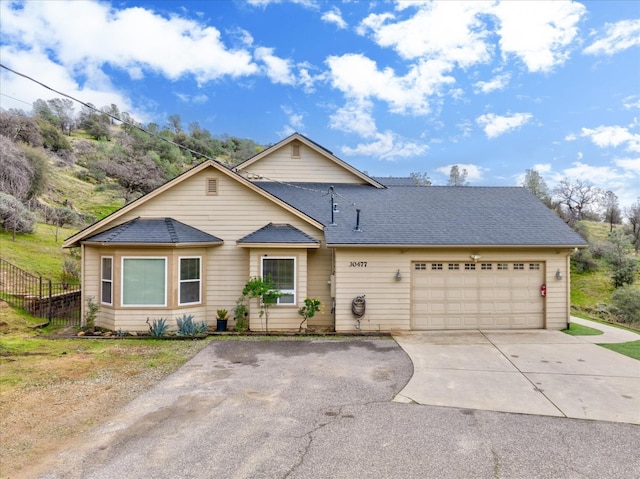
[[420, 266], [534, 265], [503, 266], [282, 273], [486, 266], [144, 281], [454, 266], [190, 284], [106, 277], [436, 266], [470, 266], [518, 266]]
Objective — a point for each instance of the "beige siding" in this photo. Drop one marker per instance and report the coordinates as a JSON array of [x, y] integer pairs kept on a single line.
[[231, 214], [388, 301], [281, 317], [318, 275], [311, 166]]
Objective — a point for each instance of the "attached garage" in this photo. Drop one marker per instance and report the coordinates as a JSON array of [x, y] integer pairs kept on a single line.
[[491, 295]]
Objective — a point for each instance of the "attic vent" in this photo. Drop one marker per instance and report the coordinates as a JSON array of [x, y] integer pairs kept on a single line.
[[295, 150], [212, 186]]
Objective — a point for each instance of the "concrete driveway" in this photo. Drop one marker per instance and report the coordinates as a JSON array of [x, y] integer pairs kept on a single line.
[[539, 372], [316, 409]]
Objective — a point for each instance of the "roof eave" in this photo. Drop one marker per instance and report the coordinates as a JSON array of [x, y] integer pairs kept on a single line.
[[205, 244], [279, 245]]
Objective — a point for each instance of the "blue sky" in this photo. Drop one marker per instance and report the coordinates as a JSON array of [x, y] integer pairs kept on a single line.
[[390, 87]]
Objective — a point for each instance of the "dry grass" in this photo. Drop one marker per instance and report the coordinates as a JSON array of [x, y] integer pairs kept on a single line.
[[52, 390]]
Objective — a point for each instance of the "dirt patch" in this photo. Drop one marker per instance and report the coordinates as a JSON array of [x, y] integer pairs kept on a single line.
[[53, 390]]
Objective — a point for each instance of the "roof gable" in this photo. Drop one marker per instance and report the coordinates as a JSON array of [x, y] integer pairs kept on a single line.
[[297, 158], [127, 210], [279, 234]]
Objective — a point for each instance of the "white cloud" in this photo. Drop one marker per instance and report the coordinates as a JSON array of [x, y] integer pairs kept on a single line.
[[631, 102], [359, 77], [334, 16], [494, 125], [629, 164], [386, 146], [497, 83], [277, 69], [612, 136], [451, 31], [355, 117], [160, 43], [617, 37], [475, 173], [539, 33]]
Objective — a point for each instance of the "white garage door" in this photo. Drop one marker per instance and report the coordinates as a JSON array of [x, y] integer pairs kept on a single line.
[[448, 295]]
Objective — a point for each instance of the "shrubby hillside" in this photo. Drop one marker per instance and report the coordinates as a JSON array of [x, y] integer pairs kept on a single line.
[[69, 168]]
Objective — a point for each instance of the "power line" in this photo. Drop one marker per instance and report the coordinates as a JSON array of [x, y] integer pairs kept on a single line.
[[113, 117], [16, 99]]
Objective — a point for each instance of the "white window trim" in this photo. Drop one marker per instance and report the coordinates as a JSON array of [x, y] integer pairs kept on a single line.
[[102, 280], [180, 281], [122, 283], [292, 292]]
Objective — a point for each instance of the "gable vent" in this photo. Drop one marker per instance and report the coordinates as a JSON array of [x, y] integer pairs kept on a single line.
[[295, 150], [212, 186]]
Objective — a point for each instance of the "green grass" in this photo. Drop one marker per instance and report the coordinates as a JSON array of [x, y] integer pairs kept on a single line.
[[40, 254], [579, 330], [631, 349]]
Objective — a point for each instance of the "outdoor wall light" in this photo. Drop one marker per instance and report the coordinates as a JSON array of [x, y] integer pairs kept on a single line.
[[475, 257], [398, 276], [558, 274]]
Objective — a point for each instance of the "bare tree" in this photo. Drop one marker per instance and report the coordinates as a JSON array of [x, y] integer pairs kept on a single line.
[[457, 177], [17, 172], [579, 198]]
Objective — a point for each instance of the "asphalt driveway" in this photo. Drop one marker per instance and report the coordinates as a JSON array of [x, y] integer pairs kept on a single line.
[[300, 409], [529, 372]]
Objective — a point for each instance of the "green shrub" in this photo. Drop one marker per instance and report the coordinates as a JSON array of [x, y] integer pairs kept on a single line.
[[241, 315], [583, 261], [626, 304]]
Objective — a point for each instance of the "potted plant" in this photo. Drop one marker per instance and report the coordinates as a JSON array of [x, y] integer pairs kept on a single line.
[[221, 320]]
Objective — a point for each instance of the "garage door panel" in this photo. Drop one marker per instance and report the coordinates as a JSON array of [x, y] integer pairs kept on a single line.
[[504, 295]]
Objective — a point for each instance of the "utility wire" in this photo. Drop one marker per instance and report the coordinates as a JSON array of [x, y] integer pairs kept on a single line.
[[144, 130], [113, 117]]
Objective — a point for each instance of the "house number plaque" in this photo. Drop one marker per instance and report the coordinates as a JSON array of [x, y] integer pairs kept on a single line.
[[357, 264]]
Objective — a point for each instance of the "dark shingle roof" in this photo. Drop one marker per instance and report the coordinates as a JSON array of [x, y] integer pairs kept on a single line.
[[395, 180], [434, 215], [273, 233], [153, 231]]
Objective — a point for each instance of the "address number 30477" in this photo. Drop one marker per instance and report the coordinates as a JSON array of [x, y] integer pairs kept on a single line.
[[357, 264]]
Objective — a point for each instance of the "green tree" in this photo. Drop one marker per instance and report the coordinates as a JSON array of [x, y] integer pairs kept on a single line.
[[265, 292], [612, 214], [420, 179], [457, 177], [617, 254], [535, 183]]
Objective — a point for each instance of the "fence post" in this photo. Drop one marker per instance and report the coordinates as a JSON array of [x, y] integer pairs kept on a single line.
[[50, 314]]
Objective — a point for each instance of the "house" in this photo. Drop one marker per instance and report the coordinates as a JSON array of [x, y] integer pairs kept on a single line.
[[380, 254]]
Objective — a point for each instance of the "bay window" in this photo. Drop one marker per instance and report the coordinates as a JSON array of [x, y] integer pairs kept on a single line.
[[144, 281]]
